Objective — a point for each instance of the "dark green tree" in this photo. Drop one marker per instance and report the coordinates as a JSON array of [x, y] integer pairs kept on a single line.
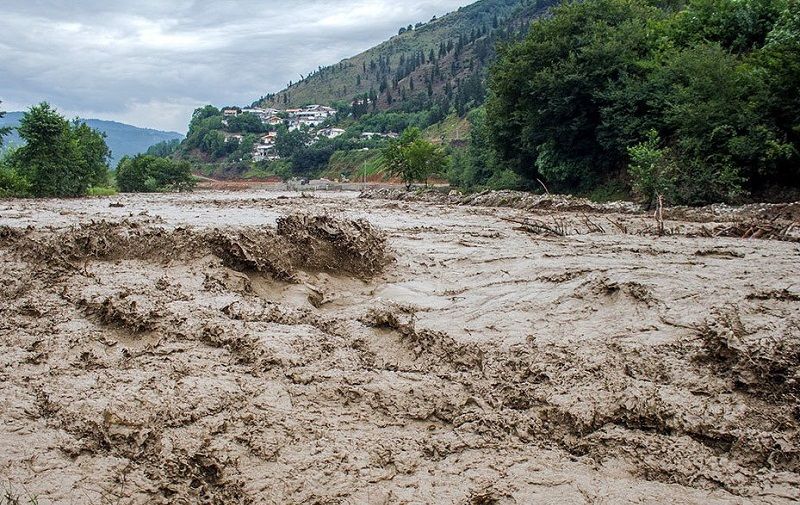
[[59, 158], [5, 130], [548, 91], [144, 173]]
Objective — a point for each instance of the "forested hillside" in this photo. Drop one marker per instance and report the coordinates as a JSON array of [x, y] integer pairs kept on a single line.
[[694, 104], [443, 61]]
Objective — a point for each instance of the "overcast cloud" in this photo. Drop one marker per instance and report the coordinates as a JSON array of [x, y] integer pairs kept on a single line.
[[151, 62]]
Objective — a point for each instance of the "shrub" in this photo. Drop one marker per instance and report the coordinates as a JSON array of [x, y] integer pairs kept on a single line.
[[12, 184], [149, 174]]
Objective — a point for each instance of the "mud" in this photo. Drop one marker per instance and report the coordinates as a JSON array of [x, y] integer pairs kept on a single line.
[[245, 348]]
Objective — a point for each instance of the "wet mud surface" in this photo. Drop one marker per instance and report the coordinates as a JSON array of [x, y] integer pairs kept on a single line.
[[270, 348]]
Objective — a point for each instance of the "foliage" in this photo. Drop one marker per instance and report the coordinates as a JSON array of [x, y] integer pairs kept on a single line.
[[547, 92], [12, 184], [102, 191], [164, 149], [478, 166], [205, 133], [270, 168], [354, 164], [145, 174], [59, 158], [576, 103], [245, 123], [652, 169], [4, 130], [412, 158]]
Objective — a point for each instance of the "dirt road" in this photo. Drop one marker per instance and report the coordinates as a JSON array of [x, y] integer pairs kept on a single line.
[[256, 347]]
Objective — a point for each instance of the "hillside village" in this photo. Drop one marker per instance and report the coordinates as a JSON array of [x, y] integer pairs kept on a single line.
[[311, 117]]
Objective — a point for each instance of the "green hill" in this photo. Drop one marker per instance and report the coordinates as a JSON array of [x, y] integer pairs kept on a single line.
[[443, 60], [122, 139]]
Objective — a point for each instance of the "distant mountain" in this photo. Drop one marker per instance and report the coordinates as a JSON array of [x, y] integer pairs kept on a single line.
[[444, 59], [122, 139]]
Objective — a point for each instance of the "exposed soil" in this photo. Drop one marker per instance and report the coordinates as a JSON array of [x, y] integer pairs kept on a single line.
[[258, 347]]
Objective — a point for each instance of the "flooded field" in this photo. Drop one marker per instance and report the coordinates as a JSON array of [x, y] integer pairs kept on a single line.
[[262, 347]]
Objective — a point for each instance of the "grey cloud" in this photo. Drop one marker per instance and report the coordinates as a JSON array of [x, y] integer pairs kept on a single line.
[[150, 63]]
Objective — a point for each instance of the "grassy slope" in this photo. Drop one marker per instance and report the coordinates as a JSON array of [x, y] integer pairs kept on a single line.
[[351, 164], [339, 82]]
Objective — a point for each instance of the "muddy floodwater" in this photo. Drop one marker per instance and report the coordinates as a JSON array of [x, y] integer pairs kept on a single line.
[[277, 348]]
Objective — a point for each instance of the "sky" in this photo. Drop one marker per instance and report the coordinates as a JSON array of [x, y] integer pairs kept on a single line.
[[150, 63]]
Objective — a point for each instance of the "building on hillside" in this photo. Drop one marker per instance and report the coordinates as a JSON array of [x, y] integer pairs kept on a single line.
[[231, 111], [331, 133], [265, 115], [264, 152], [232, 137], [372, 135]]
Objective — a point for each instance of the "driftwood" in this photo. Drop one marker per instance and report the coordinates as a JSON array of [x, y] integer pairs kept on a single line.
[[536, 227], [754, 230]]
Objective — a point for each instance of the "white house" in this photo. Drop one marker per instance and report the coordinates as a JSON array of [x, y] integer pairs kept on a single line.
[[331, 133]]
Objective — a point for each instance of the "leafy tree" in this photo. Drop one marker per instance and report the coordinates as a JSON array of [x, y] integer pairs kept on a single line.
[[145, 173], [12, 184], [94, 152], [738, 26], [133, 174], [5, 130], [716, 80], [59, 158], [245, 123], [479, 167], [548, 91], [288, 143], [652, 170], [780, 60], [412, 158]]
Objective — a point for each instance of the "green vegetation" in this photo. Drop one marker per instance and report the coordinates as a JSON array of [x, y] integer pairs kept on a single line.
[[267, 169], [165, 148], [478, 167], [60, 158], [102, 191], [354, 165], [4, 130], [412, 158], [699, 104], [149, 174]]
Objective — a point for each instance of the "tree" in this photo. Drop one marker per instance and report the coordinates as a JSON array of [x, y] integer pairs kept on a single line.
[[652, 171], [412, 158], [288, 143], [94, 152], [548, 91], [245, 123], [144, 174], [133, 174], [576, 101], [164, 148], [5, 130], [59, 158]]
